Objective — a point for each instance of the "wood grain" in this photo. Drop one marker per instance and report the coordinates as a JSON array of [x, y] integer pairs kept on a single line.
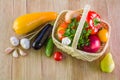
[[36, 66]]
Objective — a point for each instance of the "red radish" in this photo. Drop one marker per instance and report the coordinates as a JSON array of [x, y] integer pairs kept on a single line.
[[94, 44], [58, 56]]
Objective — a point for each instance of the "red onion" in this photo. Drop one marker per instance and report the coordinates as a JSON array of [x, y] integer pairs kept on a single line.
[[94, 44]]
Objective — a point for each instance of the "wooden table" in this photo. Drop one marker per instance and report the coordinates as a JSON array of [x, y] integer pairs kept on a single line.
[[36, 66]]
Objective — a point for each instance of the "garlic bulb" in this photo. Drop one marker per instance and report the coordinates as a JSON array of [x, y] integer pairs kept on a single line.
[[66, 41], [25, 43], [14, 41]]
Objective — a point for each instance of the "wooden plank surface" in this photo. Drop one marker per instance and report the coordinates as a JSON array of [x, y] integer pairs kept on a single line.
[[36, 66]]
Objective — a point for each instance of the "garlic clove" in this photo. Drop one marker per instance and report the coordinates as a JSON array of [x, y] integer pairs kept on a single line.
[[14, 41], [25, 43], [9, 50], [15, 54], [66, 41], [22, 53]]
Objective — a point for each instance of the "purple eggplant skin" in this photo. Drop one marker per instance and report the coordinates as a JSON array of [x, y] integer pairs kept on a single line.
[[42, 37]]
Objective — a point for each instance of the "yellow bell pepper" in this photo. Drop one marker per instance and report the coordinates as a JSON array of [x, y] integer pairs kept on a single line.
[[29, 22]]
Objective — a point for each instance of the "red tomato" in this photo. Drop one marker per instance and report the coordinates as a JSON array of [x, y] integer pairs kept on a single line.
[[64, 25], [61, 30], [58, 56], [90, 20]]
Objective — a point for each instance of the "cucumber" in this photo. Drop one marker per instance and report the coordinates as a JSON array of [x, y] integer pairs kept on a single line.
[[49, 47]]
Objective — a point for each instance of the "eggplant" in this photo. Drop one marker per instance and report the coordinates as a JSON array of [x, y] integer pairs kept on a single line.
[[42, 37]]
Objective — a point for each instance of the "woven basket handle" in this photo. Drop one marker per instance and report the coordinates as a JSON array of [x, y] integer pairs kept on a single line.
[[80, 26]]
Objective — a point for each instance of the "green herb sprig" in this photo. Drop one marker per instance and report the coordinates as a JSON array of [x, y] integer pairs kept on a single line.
[[83, 40], [71, 30]]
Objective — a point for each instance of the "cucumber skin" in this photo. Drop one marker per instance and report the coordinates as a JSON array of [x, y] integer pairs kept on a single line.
[[49, 47]]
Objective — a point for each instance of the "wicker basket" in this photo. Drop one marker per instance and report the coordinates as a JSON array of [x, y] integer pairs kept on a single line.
[[72, 50]]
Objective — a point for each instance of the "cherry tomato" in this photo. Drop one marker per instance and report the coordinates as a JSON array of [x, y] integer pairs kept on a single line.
[[90, 20], [60, 34], [61, 30], [64, 25], [58, 56], [103, 35]]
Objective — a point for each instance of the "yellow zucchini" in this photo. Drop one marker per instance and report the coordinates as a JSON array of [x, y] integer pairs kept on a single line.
[[28, 22]]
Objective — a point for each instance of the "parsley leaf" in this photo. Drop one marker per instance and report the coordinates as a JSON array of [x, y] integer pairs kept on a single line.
[[86, 25], [67, 32], [71, 30], [83, 40]]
